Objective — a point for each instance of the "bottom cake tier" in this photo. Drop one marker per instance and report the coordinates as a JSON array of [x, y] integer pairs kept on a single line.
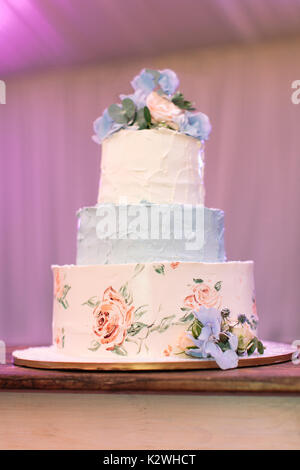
[[149, 310]]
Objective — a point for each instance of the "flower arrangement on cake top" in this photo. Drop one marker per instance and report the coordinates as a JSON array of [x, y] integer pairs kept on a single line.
[[155, 103]]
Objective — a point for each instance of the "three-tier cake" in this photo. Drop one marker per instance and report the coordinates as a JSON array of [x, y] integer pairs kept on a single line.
[[151, 279]]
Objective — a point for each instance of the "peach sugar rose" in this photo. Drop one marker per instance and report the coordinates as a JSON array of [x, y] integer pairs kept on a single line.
[[184, 341], [162, 109], [112, 318]]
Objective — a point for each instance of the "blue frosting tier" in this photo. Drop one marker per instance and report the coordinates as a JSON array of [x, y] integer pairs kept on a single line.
[[140, 233]]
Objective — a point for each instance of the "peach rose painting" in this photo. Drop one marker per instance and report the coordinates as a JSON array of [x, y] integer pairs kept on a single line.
[[59, 338], [174, 265], [61, 289], [112, 318], [204, 294], [116, 320]]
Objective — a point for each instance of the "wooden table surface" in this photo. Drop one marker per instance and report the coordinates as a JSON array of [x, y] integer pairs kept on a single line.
[[247, 408], [272, 379]]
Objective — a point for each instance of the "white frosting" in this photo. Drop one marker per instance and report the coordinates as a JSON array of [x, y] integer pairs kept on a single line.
[[153, 165], [148, 300]]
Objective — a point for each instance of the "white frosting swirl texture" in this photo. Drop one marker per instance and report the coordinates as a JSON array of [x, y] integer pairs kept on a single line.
[[155, 165]]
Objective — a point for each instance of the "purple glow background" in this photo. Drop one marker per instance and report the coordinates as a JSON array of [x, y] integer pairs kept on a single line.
[[49, 166]]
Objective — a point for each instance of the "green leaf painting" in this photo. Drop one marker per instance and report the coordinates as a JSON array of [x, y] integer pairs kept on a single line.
[[164, 324], [218, 285], [198, 281], [62, 299], [135, 328], [95, 345], [140, 311], [92, 302], [126, 293], [120, 350], [159, 268]]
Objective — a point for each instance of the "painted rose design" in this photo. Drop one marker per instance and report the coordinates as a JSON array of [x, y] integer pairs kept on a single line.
[[59, 338], [112, 318], [204, 294], [174, 265], [58, 285], [61, 289]]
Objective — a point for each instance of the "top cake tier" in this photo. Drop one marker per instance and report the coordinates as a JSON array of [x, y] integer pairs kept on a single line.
[[155, 165], [152, 144]]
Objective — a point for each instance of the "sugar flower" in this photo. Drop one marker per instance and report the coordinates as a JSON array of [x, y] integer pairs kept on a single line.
[[162, 109], [153, 103], [168, 81], [104, 126], [206, 343], [244, 334], [194, 124], [210, 318], [145, 82]]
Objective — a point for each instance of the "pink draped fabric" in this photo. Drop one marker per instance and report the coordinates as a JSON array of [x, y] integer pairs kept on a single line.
[[50, 168]]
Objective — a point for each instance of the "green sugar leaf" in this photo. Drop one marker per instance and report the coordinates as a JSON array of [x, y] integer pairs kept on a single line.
[[129, 108], [140, 119], [147, 115], [252, 346], [196, 328], [198, 281], [260, 347], [117, 114], [178, 100]]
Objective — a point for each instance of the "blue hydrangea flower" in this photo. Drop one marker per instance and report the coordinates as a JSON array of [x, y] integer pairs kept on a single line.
[[225, 360], [206, 345], [104, 126], [168, 81], [195, 124], [210, 318], [144, 81]]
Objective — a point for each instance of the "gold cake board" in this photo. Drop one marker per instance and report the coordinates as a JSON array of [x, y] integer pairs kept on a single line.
[[47, 357]]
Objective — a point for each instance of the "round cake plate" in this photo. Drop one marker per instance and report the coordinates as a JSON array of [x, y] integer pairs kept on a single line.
[[47, 357]]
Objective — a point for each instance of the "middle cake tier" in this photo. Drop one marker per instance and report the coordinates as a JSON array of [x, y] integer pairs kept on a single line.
[[140, 233]]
